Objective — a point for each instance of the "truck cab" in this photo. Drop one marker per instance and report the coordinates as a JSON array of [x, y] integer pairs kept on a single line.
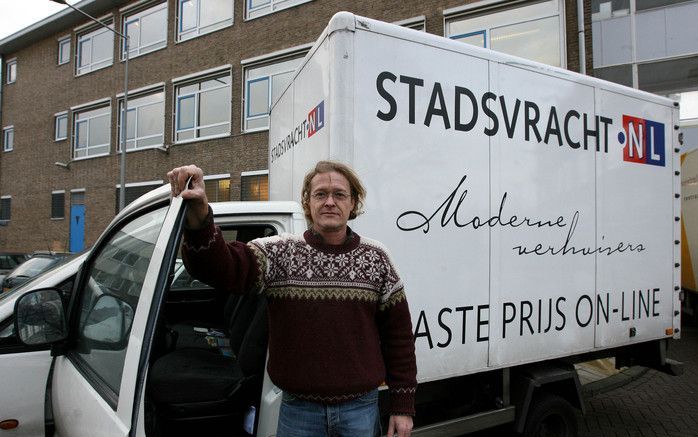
[[140, 348]]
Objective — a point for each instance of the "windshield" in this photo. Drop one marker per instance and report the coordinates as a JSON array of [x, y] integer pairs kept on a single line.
[[29, 284], [33, 266]]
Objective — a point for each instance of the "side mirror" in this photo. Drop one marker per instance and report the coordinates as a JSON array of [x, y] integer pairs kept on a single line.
[[108, 323], [40, 317]]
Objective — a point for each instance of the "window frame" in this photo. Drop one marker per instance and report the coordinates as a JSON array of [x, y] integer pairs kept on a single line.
[[90, 34], [270, 4], [152, 184], [6, 132], [416, 23], [7, 199], [217, 178], [198, 79], [75, 114], [255, 173], [54, 193], [248, 66], [130, 17], [57, 118], [195, 32], [61, 43], [473, 10], [132, 98], [11, 71]]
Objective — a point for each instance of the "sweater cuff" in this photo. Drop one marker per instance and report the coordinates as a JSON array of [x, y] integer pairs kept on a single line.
[[402, 401]]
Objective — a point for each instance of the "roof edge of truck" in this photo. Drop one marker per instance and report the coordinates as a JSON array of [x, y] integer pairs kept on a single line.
[[256, 207]]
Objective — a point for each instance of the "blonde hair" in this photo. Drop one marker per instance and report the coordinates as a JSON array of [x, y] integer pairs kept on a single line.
[[358, 192]]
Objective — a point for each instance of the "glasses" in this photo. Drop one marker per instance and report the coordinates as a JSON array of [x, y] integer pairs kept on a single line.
[[321, 196]]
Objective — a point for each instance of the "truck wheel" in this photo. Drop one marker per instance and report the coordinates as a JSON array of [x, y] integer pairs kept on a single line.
[[550, 416]]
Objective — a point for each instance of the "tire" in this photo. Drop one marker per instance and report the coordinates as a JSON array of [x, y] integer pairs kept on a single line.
[[550, 416]]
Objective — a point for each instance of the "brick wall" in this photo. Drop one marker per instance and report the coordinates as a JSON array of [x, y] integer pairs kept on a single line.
[[44, 88]]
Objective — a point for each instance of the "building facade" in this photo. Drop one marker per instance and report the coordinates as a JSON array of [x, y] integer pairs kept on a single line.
[[651, 45], [202, 75]]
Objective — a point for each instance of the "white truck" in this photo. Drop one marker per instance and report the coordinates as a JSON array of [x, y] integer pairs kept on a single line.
[[534, 214]]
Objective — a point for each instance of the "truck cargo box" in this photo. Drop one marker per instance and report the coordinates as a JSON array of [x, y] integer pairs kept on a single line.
[[533, 212]]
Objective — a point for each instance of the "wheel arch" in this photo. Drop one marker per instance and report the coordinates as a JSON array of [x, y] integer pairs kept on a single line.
[[555, 377]]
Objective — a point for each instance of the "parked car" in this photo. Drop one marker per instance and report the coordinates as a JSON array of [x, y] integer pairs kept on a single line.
[[38, 263], [10, 260]]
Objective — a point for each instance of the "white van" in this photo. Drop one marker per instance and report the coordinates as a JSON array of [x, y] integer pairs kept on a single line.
[[534, 214]]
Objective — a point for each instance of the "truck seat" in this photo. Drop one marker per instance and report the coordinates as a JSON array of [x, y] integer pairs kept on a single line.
[[194, 385], [186, 336]]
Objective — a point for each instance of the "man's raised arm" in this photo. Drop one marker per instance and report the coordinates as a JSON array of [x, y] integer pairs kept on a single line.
[[229, 267]]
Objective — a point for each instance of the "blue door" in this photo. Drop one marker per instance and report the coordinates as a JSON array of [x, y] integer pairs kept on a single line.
[[77, 228]]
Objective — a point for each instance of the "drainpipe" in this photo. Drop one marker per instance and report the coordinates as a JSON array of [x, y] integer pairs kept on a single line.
[[581, 37]]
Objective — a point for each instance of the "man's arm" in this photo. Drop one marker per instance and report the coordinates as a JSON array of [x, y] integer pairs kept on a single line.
[[229, 267], [397, 344]]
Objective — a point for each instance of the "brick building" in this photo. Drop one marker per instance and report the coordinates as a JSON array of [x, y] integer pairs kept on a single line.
[[202, 75]]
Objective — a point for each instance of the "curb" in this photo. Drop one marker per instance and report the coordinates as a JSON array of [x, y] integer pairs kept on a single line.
[[614, 381]]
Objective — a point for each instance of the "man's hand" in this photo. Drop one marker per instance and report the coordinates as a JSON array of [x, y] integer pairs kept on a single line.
[[195, 193], [400, 425]]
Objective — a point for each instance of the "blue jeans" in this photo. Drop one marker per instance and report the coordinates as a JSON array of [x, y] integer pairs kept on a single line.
[[355, 418]]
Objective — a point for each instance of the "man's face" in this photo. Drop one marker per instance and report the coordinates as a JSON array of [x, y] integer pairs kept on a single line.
[[330, 201]]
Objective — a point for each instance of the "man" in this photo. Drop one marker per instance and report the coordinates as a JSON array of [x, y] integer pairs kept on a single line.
[[339, 324]]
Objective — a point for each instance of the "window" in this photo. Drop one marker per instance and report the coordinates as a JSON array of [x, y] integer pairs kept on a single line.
[[217, 188], [254, 185], [8, 138], [58, 204], [136, 190], [61, 126], [5, 207], [147, 30], [77, 197], [532, 31], [91, 132], [11, 70], [95, 50], [416, 23], [64, 51], [145, 122], [257, 8], [648, 44], [263, 85], [202, 109], [108, 300], [688, 110], [198, 17]]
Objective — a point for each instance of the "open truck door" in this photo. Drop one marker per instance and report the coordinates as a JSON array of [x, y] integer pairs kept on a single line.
[[103, 344]]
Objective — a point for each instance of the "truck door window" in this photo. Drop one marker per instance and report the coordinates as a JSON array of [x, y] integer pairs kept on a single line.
[[109, 297]]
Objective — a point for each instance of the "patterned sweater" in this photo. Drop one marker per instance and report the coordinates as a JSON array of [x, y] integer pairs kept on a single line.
[[339, 324]]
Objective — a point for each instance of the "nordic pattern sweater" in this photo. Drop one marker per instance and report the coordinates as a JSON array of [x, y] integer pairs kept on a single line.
[[339, 323]]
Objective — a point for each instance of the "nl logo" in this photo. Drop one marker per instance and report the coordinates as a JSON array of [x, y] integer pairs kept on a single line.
[[643, 141], [316, 119]]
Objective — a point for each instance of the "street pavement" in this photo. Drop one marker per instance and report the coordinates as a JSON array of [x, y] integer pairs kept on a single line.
[[648, 403], [638, 401]]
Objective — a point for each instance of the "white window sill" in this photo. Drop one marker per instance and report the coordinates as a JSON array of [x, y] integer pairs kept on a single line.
[[90, 157], [194, 140], [92, 71]]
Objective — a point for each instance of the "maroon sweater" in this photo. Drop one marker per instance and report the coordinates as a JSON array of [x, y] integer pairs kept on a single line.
[[339, 324]]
